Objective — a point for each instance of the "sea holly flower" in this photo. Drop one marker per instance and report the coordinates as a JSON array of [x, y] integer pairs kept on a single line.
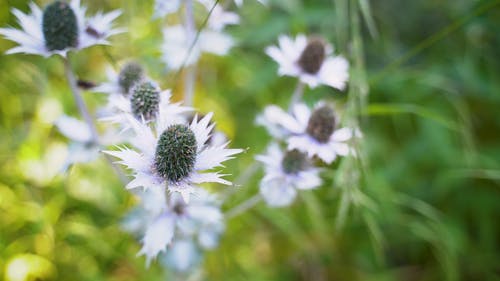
[[314, 133], [176, 221], [145, 101], [61, 27], [310, 60], [172, 155], [285, 173], [120, 83]]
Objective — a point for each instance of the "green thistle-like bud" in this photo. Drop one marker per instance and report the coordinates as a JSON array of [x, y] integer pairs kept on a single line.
[[294, 161], [312, 56], [145, 100], [175, 153], [60, 28], [321, 124], [130, 74]]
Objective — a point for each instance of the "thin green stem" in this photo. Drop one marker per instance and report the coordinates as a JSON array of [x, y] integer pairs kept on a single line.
[[244, 206]]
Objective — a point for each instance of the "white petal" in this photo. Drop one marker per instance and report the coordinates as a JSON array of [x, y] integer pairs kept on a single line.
[[212, 157], [208, 177], [277, 193], [165, 7], [342, 134], [276, 115], [335, 72], [144, 139], [132, 159], [308, 179], [184, 189], [144, 180], [74, 129], [201, 129], [158, 235], [205, 214], [341, 148], [273, 157], [302, 114], [153, 199], [183, 256], [215, 42], [327, 153]]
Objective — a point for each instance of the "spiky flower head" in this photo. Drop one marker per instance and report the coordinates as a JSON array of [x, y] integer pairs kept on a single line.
[[321, 124], [60, 28], [294, 161], [130, 74], [145, 100], [313, 55], [175, 153]]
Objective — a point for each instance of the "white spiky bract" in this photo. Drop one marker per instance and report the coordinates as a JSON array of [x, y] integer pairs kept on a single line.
[[334, 70], [31, 39]]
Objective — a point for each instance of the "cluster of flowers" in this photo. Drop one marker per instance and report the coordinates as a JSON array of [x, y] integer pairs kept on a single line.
[[166, 145], [306, 134], [170, 149]]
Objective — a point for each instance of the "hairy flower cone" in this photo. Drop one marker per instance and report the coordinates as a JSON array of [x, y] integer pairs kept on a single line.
[[145, 101], [175, 153], [130, 74], [321, 124], [313, 56], [60, 28], [294, 161]]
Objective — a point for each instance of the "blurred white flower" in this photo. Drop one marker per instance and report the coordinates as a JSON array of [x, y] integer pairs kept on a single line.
[[285, 172], [310, 60], [314, 133], [219, 17], [183, 256], [178, 50], [173, 155], [61, 27], [178, 221], [83, 148], [165, 7], [120, 83]]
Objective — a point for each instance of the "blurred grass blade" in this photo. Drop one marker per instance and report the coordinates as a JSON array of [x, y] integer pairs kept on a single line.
[[399, 108], [364, 6]]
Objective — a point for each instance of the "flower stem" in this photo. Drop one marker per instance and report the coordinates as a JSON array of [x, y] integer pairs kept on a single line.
[[190, 77], [79, 100], [297, 94], [242, 179], [245, 205], [80, 103]]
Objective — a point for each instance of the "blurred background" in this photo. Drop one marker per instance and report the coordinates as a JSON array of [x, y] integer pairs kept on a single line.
[[423, 205]]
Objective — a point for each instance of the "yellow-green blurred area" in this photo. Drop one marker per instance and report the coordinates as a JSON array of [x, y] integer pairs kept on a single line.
[[427, 203]]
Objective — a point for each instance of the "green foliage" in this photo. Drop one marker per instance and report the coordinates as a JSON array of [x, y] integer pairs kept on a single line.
[[421, 202]]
